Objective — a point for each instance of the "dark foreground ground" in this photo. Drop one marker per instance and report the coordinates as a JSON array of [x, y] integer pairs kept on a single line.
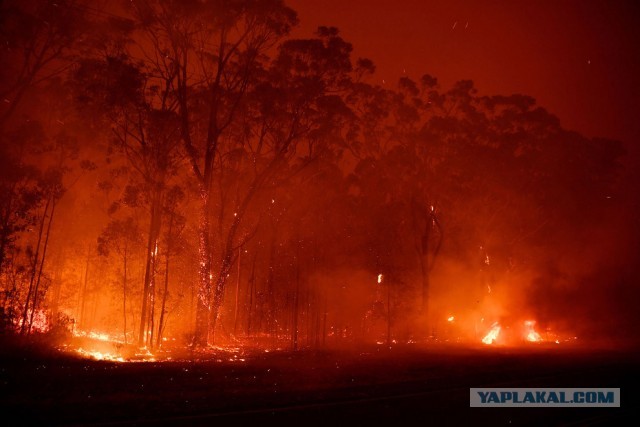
[[380, 386]]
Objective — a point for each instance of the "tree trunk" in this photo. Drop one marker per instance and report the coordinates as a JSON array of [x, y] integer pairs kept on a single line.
[[252, 281], [84, 292], [388, 313], [296, 299], [154, 228], [204, 286], [124, 294], [152, 300], [165, 293], [44, 254], [218, 295], [25, 312], [235, 314], [57, 288], [166, 284]]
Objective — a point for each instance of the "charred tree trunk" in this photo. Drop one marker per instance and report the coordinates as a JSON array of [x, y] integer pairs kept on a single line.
[[388, 313], [218, 296], [152, 242], [83, 301], [124, 294], [165, 292], [152, 301], [235, 313], [163, 308], [427, 254], [44, 254], [34, 267], [56, 284], [296, 299], [252, 288], [204, 285]]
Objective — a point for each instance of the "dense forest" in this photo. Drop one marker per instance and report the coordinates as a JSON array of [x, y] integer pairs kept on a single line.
[[185, 173]]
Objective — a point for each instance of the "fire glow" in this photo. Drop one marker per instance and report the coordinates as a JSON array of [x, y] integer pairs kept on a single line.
[[493, 334], [531, 334], [137, 234]]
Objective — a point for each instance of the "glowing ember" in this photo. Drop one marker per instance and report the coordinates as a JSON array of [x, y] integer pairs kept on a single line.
[[450, 319], [530, 332], [97, 355], [380, 278], [100, 336], [38, 321], [491, 337]]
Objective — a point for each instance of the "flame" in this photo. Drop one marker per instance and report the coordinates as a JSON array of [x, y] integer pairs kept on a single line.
[[530, 332], [99, 336], [97, 355], [492, 336]]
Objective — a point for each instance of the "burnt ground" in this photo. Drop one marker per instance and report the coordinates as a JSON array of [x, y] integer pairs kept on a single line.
[[379, 386]]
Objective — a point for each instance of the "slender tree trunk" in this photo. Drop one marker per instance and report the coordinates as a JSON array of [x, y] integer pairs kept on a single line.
[[152, 300], [235, 314], [388, 313], [152, 242], [57, 287], [165, 293], [296, 299], [428, 256], [324, 322], [424, 270], [252, 281], [124, 294], [84, 292], [44, 254], [272, 326], [34, 265]]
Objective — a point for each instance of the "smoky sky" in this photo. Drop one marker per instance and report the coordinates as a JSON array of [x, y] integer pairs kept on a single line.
[[579, 59]]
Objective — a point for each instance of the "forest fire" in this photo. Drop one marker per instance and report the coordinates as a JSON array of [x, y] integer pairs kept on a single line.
[[220, 202]]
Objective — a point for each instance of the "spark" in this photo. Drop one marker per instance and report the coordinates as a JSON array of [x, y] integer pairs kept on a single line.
[[450, 319], [454, 25], [380, 277]]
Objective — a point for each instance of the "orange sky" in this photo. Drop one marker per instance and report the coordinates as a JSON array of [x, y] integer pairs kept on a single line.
[[579, 58]]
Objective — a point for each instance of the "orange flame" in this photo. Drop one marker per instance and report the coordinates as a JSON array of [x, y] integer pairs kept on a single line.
[[493, 334], [530, 332]]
